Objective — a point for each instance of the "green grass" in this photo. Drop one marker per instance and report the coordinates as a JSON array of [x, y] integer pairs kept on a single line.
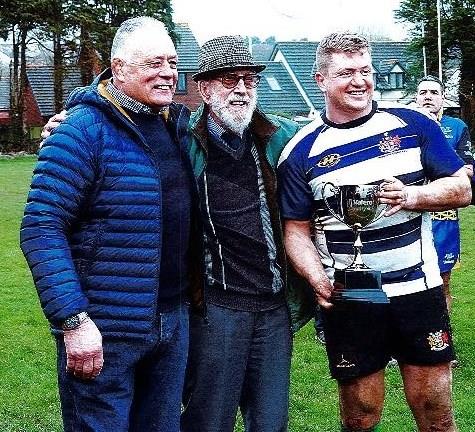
[[28, 395]]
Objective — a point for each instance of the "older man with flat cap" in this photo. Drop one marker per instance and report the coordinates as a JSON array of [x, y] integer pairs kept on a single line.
[[240, 349]]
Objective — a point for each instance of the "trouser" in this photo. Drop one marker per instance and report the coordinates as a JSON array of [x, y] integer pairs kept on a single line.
[[139, 387], [238, 360], [318, 323]]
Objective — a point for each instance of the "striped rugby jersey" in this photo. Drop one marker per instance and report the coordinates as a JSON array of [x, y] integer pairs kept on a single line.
[[391, 141]]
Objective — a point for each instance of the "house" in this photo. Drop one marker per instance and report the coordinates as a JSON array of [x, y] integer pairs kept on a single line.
[[298, 58], [4, 101], [278, 94], [390, 64], [187, 50], [39, 95]]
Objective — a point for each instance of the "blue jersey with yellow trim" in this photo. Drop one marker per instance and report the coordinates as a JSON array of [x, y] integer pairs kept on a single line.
[[445, 225], [391, 141]]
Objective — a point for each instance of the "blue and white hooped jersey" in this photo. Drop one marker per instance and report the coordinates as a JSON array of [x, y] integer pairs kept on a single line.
[[391, 141]]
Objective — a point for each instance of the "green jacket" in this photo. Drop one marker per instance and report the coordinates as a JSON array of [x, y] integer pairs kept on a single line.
[[271, 134]]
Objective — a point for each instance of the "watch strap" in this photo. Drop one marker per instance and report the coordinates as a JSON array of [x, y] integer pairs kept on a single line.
[[74, 321]]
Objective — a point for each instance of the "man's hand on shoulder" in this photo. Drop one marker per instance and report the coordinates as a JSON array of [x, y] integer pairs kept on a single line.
[[469, 169], [53, 123], [84, 350]]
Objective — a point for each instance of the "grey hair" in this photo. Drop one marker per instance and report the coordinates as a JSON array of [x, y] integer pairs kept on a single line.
[[433, 79], [122, 37], [347, 42]]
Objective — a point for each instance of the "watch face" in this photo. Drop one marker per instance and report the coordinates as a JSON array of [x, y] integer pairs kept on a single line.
[[71, 323], [75, 321]]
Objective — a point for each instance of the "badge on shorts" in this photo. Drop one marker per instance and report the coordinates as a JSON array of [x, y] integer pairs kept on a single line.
[[438, 340], [345, 363]]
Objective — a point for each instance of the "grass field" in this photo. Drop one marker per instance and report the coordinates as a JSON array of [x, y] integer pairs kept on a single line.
[[28, 397]]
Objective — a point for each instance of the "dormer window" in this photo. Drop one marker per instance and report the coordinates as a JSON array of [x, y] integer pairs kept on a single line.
[[397, 77], [396, 80]]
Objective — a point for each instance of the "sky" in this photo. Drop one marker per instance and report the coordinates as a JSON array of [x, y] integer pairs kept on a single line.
[[287, 19]]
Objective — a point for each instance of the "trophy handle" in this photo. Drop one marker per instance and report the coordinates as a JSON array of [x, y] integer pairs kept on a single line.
[[337, 189], [383, 208]]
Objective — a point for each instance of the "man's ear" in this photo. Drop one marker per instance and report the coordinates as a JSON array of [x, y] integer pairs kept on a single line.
[[203, 88], [321, 81], [117, 66]]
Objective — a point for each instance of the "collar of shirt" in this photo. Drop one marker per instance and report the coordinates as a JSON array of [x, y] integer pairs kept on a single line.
[[131, 104], [225, 139]]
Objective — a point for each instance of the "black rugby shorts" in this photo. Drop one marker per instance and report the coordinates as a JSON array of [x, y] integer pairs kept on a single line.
[[362, 337]]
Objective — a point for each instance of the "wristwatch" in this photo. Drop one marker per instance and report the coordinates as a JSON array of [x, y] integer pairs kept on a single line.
[[74, 321]]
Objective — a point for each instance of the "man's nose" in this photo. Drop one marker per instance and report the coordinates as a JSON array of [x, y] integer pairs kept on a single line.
[[240, 87], [166, 69], [358, 78]]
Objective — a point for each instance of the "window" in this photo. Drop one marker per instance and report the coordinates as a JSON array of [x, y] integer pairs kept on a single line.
[[35, 132], [181, 85], [396, 80], [273, 83]]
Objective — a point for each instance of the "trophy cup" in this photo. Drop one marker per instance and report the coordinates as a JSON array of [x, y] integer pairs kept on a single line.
[[356, 206]]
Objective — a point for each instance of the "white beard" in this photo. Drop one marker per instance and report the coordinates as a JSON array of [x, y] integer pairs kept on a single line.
[[235, 120]]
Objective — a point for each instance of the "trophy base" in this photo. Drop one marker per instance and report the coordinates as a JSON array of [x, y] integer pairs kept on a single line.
[[359, 286]]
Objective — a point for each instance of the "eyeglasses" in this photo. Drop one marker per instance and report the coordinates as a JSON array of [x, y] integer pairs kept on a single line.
[[231, 80]]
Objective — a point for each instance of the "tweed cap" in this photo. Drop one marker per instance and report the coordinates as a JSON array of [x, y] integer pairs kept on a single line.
[[224, 53]]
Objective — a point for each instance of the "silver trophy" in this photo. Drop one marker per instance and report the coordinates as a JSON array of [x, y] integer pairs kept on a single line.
[[356, 206]]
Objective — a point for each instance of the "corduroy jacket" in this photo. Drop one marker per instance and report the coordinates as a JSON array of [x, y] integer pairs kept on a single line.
[[271, 133]]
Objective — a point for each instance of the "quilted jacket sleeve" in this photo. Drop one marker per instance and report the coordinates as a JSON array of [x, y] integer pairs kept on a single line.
[[64, 173]]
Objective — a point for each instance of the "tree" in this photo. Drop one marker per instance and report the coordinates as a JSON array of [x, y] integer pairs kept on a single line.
[[17, 19], [96, 22], [458, 44], [77, 32]]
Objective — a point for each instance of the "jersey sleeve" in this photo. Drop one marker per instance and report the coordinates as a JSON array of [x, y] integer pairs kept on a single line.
[[438, 158], [463, 146], [295, 194]]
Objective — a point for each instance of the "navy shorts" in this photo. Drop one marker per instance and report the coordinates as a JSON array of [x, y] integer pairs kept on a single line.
[[362, 337]]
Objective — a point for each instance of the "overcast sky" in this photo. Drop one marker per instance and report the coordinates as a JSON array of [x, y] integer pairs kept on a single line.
[[287, 19]]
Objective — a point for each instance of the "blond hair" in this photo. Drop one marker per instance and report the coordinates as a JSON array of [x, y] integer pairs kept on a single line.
[[346, 42]]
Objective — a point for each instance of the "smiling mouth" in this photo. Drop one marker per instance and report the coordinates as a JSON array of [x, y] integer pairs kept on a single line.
[[162, 87], [237, 103], [357, 92]]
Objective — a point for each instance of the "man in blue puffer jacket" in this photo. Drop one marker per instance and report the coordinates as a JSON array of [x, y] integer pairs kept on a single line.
[[107, 233]]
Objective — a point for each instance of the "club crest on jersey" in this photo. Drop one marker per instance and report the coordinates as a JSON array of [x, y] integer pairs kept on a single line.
[[438, 340], [389, 144], [329, 160]]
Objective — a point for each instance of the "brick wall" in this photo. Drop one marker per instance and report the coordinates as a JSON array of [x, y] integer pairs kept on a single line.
[[192, 98], [4, 117]]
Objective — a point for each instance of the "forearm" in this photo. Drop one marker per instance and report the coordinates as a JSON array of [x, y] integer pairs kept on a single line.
[[442, 194], [305, 260]]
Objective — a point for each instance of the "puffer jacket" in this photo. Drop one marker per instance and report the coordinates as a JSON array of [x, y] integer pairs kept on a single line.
[[91, 232], [271, 134]]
